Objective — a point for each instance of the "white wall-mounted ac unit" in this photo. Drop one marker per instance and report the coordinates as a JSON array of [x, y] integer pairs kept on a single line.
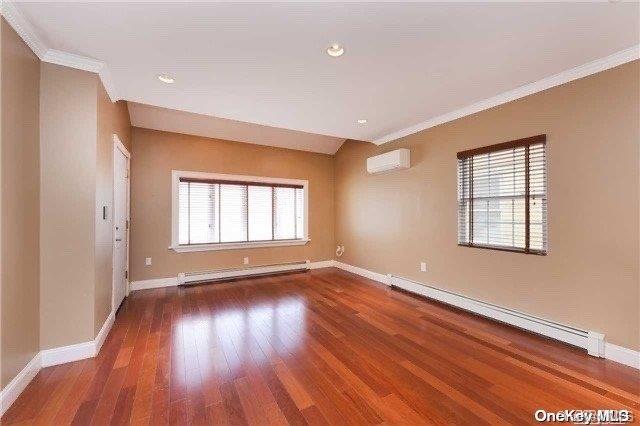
[[392, 160]]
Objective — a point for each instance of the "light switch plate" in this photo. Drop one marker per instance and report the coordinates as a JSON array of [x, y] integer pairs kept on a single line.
[[147, 261], [423, 266]]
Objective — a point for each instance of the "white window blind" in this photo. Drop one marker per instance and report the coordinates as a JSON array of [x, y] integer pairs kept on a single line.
[[284, 213], [260, 213], [212, 212], [502, 196]]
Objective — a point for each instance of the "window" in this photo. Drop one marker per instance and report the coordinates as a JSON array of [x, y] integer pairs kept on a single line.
[[502, 196], [214, 212]]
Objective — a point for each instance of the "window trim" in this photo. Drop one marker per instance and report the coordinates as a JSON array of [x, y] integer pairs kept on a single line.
[[518, 143], [176, 175]]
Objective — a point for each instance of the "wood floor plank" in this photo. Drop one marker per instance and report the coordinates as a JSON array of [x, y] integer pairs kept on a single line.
[[323, 347]]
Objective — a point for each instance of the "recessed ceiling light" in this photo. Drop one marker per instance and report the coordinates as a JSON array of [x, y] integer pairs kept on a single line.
[[335, 50], [362, 121], [165, 78]]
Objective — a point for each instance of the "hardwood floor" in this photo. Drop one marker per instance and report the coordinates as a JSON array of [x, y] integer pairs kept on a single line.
[[319, 347]]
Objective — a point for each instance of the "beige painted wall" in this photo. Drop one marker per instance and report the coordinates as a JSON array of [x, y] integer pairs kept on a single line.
[[112, 118], [2, 384], [77, 123], [156, 153], [68, 129], [20, 79], [589, 279]]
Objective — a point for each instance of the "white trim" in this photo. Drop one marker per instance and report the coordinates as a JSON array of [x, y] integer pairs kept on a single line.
[[384, 279], [104, 332], [63, 354], [49, 357], [118, 145], [154, 283], [84, 63], [71, 60], [612, 352], [175, 209], [622, 355], [26, 31], [78, 351], [593, 67], [242, 245], [12, 391], [322, 264]]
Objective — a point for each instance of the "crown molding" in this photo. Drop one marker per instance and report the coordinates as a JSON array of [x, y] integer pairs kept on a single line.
[[27, 33], [23, 28], [84, 63], [593, 67], [71, 60]]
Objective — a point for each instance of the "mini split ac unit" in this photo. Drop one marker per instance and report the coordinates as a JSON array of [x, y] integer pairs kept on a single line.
[[393, 160]]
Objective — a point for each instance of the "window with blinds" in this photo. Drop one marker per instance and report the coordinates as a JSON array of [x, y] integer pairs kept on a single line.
[[502, 196], [218, 211]]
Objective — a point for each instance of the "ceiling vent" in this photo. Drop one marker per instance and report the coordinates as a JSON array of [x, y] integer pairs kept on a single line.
[[393, 160]]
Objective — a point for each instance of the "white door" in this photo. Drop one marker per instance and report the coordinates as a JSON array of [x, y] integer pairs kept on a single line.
[[120, 224]]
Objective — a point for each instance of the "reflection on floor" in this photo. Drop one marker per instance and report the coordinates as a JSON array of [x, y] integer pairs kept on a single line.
[[319, 347]]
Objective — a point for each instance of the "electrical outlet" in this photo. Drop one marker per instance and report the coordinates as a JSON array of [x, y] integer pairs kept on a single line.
[[245, 260], [147, 261], [423, 266]]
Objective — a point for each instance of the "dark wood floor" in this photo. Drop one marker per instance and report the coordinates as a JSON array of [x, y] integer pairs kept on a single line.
[[319, 347]]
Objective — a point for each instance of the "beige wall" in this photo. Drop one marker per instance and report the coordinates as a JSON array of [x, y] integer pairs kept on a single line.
[[112, 118], [68, 129], [2, 379], [20, 79], [590, 278], [156, 153], [77, 123]]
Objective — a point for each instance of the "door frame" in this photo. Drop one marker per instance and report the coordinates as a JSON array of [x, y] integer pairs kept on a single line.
[[119, 146]]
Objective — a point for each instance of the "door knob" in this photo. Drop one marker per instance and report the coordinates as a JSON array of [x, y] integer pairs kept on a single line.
[[118, 239]]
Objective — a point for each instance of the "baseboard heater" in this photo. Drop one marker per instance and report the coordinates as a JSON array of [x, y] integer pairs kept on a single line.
[[186, 278], [592, 341]]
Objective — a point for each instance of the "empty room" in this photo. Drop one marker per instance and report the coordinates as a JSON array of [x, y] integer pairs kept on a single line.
[[319, 213]]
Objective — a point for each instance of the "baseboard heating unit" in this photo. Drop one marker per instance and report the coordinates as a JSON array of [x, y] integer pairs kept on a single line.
[[187, 278], [592, 341]]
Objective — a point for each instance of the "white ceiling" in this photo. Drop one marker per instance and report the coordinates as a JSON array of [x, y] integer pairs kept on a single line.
[[406, 66], [169, 120]]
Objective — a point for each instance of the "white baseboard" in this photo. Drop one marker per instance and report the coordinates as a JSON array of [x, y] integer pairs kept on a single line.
[[322, 264], [78, 351], [612, 352], [622, 355], [174, 281], [50, 357], [12, 391], [384, 279], [63, 354], [154, 283], [104, 332]]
